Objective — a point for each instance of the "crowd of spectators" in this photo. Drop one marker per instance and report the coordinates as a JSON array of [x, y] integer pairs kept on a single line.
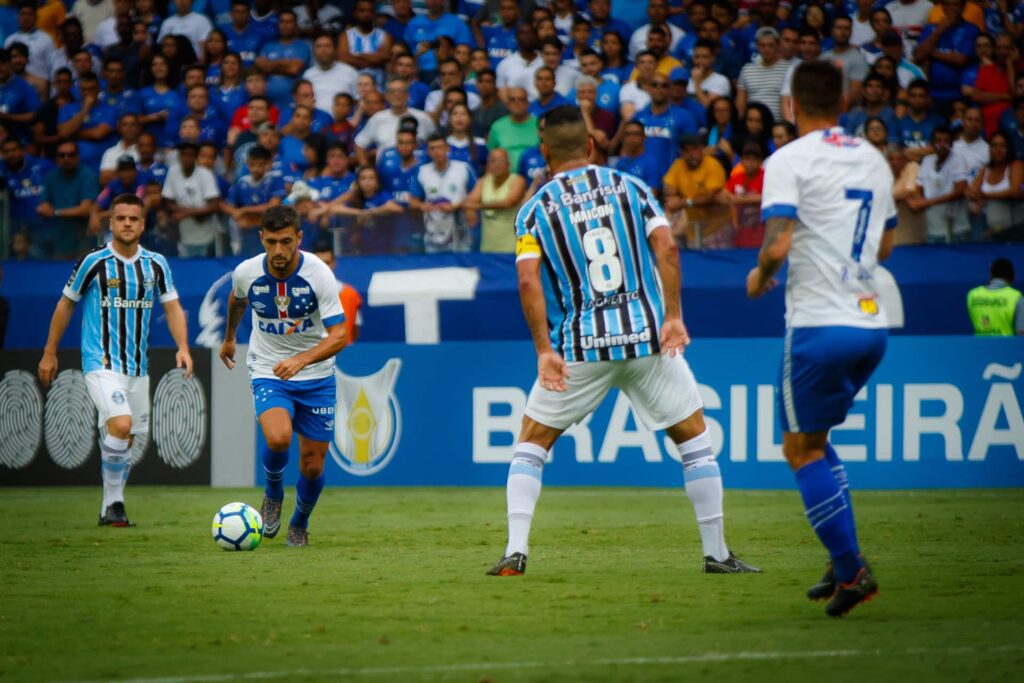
[[412, 125]]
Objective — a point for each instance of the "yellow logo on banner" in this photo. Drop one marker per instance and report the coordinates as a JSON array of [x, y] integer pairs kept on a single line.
[[369, 422]]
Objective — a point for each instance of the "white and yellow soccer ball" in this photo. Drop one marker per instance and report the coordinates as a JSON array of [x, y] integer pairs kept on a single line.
[[237, 526]]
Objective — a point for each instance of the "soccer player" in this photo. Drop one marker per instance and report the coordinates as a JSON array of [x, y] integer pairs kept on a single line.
[[120, 283], [827, 203], [297, 327], [591, 246]]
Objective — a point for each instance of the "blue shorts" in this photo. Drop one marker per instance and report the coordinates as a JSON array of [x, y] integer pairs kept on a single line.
[[310, 403], [822, 370]]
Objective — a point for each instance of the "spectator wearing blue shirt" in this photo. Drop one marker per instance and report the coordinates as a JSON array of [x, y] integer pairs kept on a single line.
[[602, 21], [337, 179], [397, 166], [948, 48], [634, 158], [423, 32], [228, 94], [116, 95], [147, 158], [617, 67], [90, 122], [664, 123], [407, 69], [873, 93], [534, 167], [303, 95], [19, 102], [299, 128], [266, 20], [592, 64], [128, 179], [547, 98], [284, 59], [398, 20], [23, 176], [65, 204], [679, 95], [250, 196], [159, 99], [212, 126], [500, 39], [243, 36], [917, 124], [1012, 123]]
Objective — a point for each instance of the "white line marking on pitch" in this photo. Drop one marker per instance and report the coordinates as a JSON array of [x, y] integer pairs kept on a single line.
[[568, 664]]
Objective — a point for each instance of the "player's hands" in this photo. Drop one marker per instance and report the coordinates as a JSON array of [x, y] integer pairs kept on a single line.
[[674, 337], [289, 367], [227, 354], [756, 286], [184, 360], [552, 371], [47, 368]]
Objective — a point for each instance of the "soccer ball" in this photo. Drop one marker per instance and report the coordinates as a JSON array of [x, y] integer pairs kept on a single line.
[[237, 526]]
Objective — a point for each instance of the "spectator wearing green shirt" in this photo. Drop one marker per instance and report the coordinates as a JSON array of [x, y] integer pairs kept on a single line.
[[996, 309], [516, 132]]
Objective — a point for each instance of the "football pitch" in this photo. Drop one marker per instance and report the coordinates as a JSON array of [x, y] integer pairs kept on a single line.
[[392, 588]]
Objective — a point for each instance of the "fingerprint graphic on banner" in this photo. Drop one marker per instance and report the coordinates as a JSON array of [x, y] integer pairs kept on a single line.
[[21, 430], [179, 419], [70, 420]]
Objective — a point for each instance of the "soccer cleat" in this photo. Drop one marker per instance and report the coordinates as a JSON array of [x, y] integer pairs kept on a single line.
[[730, 565], [513, 565], [115, 516], [826, 586], [270, 511], [849, 595], [297, 537]]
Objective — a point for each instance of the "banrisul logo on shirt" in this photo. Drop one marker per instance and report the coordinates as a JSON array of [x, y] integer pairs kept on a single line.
[[368, 420]]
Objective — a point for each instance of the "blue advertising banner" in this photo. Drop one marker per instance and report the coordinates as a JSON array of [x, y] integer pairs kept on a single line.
[[940, 412], [473, 297]]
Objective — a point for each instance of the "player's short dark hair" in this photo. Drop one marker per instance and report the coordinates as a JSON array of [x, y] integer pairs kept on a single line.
[[258, 153], [818, 88], [1002, 268], [127, 198], [278, 218], [565, 132]]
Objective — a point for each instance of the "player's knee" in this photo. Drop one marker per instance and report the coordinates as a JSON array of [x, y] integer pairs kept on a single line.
[[279, 440], [311, 468], [120, 427]]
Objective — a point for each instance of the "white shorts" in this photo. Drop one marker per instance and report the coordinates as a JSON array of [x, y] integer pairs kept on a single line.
[[662, 390], [115, 395]]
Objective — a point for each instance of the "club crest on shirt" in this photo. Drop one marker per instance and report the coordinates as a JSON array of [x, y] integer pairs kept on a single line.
[[282, 302]]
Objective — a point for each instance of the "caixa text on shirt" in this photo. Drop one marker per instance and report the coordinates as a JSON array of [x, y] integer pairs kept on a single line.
[[119, 302]]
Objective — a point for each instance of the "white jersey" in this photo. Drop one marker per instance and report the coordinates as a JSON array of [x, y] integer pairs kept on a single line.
[[839, 189], [451, 186], [288, 316]]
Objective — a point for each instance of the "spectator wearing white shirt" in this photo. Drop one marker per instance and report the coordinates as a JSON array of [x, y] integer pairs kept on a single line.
[[941, 185], [106, 32], [450, 73], [39, 43], [909, 17], [439, 190], [705, 84], [128, 130], [192, 199], [971, 147], [380, 130], [90, 13], [862, 32], [633, 95], [516, 70], [657, 12], [565, 75], [186, 23], [329, 76]]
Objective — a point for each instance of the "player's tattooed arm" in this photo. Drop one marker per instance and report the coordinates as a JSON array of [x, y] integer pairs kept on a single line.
[[236, 307], [778, 236]]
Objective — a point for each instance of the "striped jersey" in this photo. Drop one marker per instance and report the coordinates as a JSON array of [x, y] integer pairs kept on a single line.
[[119, 295], [589, 226]]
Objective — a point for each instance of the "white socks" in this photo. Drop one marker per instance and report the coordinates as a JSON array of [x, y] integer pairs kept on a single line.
[[704, 489], [522, 492], [115, 464]]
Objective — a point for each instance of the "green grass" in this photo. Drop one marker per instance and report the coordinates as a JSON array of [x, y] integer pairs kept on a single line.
[[393, 588]]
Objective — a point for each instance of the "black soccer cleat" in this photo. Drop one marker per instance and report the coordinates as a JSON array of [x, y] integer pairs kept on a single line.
[[513, 565], [849, 595], [826, 586], [270, 511], [115, 516], [297, 537], [730, 565]]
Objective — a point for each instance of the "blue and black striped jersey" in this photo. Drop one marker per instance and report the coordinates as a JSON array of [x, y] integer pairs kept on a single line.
[[589, 226], [119, 295]]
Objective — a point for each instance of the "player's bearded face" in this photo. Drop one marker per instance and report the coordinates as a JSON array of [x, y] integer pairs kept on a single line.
[[281, 247]]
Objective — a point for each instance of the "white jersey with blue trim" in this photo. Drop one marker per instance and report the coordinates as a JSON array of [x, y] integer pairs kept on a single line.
[[119, 296], [839, 190], [589, 226], [288, 316]]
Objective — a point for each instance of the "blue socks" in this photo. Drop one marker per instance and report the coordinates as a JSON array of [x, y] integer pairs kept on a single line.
[[307, 491], [839, 474], [830, 517], [274, 463]]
